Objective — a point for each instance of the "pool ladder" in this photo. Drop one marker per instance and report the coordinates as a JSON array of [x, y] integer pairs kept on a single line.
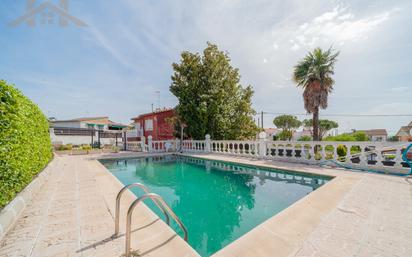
[[158, 201]]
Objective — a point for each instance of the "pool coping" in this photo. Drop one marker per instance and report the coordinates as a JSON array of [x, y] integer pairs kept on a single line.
[[284, 232]]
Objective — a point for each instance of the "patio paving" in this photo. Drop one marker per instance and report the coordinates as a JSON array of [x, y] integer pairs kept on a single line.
[[72, 215]]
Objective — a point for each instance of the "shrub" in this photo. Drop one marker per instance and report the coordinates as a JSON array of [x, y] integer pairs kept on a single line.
[[86, 147], [360, 136], [341, 138], [285, 135], [341, 150], [65, 147], [25, 147], [305, 138]]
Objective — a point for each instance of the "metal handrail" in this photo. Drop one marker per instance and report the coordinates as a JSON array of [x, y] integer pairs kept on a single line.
[[118, 197], [130, 212]]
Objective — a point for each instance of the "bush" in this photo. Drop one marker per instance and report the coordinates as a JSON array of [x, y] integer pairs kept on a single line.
[[25, 147], [360, 136], [86, 147], [341, 138], [305, 138], [285, 135], [341, 150], [65, 147]]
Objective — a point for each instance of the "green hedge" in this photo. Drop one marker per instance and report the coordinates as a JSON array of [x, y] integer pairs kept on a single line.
[[25, 147]]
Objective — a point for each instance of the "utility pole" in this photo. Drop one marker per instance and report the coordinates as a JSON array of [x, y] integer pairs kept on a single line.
[[158, 99], [261, 118]]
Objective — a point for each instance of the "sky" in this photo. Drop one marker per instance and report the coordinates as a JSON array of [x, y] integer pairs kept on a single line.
[[115, 65]]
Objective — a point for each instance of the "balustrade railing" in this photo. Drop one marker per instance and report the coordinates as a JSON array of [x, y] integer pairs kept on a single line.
[[194, 145], [381, 156]]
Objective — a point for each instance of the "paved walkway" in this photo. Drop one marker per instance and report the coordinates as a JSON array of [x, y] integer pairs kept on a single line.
[[72, 215], [374, 219]]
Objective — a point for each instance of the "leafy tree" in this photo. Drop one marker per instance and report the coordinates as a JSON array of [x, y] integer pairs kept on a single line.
[[287, 123], [324, 126], [314, 75], [211, 98]]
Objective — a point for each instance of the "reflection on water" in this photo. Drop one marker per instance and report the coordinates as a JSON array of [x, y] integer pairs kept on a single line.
[[218, 202]]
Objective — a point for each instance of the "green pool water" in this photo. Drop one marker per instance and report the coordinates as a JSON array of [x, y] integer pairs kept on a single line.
[[217, 201]]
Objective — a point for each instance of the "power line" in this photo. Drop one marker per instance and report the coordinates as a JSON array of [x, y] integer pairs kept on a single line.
[[342, 115]]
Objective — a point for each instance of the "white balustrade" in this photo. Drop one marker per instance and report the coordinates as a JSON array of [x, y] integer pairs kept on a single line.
[[380, 156]]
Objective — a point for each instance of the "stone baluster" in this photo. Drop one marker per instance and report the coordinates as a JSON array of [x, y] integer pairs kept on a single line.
[[335, 152], [207, 143], [261, 148], [149, 143], [398, 157], [363, 159], [379, 157], [348, 155]]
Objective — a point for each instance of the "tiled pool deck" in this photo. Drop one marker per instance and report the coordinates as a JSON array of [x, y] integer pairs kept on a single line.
[[355, 214]]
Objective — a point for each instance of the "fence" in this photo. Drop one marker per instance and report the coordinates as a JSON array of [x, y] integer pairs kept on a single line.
[[379, 156], [80, 136]]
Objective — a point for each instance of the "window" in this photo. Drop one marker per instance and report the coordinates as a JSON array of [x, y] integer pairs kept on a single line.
[[148, 125]]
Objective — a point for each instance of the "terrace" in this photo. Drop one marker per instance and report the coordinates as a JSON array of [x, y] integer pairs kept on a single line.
[[69, 210]]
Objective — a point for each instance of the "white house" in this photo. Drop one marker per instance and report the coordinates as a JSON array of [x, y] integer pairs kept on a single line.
[[89, 130], [98, 123], [378, 135]]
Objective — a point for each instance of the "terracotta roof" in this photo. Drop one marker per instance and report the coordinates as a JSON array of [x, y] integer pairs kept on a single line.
[[271, 130], [404, 131], [154, 112]]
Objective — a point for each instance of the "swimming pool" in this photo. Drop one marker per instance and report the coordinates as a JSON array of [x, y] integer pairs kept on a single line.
[[217, 201]]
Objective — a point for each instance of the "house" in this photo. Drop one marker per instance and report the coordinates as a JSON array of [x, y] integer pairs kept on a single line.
[[96, 123], [304, 132], [377, 135], [405, 133], [272, 132], [156, 124], [91, 130]]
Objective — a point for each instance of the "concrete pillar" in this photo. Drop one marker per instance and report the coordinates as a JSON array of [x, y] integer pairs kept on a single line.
[[143, 143], [149, 143], [207, 143], [262, 144]]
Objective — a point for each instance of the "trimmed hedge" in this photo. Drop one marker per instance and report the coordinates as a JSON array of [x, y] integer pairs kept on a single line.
[[25, 147]]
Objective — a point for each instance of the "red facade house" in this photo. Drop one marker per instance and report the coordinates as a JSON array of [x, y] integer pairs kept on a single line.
[[155, 124]]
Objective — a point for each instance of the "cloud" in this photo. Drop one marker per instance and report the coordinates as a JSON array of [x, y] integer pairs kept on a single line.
[[400, 89], [338, 26], [104, 42]]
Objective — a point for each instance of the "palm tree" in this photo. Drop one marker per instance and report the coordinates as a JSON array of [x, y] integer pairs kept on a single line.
[[313, 74]]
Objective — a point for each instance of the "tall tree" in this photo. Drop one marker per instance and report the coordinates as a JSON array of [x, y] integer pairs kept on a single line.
[[287, 123], [211, 98], [324, 126], [314, 75]]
